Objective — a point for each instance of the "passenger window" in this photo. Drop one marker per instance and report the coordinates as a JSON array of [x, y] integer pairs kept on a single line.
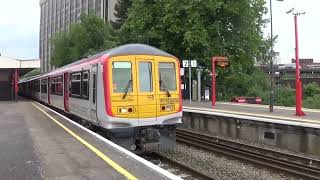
[[44, 86], [56, 86], [167, 77], [85, 84], [75, 84], [145, 76], [122, 77]]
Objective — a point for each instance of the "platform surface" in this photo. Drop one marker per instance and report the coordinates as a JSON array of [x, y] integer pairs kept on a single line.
[[256, 111], [33, 146]]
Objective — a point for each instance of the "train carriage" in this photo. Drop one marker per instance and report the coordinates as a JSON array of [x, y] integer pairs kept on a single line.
[[132, 92]]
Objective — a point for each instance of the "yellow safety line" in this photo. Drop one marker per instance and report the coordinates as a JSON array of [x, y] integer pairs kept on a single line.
[[92, 148], [255, 115]]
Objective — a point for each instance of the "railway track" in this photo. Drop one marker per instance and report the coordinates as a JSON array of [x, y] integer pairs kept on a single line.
[[293, 164], [175, 167]]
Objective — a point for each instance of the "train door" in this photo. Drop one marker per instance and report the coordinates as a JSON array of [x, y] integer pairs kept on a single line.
[[48, 89], [93, 90], [66, 91], [146, 90]]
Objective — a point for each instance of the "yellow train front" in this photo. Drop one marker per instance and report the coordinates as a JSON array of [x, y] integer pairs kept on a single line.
[[142, 97]]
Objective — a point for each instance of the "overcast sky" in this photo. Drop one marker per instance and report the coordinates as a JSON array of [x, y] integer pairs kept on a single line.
[[19, 28]]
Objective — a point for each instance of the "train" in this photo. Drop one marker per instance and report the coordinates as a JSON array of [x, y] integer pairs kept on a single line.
[[132, 92]]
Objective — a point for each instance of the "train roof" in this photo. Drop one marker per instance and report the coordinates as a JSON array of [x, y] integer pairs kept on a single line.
[[137, 49], [128, 49]]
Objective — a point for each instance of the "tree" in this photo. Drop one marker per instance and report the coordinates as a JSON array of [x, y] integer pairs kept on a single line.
[[84, 38], [121, 12], [201, 29]]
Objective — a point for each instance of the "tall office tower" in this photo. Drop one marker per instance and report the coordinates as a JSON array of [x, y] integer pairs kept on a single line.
[[56, 15]]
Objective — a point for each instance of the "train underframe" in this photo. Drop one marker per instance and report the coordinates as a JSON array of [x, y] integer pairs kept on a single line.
[[145, 139]]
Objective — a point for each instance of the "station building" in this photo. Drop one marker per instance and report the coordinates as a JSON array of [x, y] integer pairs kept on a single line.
[[57, 15], [10, 71]]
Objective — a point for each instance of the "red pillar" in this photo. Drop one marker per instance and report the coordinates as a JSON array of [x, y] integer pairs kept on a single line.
[[16, 86], [213, 82], [299, 111]]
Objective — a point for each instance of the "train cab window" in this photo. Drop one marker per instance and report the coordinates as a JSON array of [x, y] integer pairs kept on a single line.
[[76, 84], [145, 76], [122, 77], [167, 76], [85, 85]]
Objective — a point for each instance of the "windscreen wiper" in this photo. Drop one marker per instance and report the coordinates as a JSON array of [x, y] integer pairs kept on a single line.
[[165, 88], [127, 89]]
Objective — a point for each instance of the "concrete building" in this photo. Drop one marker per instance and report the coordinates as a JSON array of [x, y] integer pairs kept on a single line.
[[285, 74], [56, 15], [10, 71]]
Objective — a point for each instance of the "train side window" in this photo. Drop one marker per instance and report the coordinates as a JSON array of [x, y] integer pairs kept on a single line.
[[56, 86], [94, 88], [85, 84], [145, 76], [76, 85], [37, 83], [44, 86]]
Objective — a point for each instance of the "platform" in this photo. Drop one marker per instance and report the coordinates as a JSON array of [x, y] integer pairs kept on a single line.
[[281, 115], [36, 143]]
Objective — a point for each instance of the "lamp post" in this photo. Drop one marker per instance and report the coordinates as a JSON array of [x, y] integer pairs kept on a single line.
[[271, 62], [299, 111]]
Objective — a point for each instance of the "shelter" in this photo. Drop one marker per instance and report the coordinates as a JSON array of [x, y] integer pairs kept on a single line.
[[10, 71]]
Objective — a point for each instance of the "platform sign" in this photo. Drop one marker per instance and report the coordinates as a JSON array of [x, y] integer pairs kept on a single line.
[[185, 63], [181, 71], [188, 63], [193, 63]]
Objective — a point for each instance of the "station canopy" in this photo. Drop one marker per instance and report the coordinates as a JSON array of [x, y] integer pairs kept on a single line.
[[23, 66]]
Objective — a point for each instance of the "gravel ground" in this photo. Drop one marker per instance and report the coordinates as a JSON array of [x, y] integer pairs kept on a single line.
[[220, 167]]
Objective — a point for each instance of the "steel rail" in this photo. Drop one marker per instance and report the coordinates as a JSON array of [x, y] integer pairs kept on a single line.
[[194, 173], [212, 144]]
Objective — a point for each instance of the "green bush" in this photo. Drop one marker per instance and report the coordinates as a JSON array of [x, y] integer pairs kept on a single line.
[[312, 102], [284, 96], [310, 90]]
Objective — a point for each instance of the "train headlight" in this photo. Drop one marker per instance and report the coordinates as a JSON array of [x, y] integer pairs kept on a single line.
[[123, 110], [168, 107]]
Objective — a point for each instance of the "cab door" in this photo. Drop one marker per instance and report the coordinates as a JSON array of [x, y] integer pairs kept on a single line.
[[93, 92], [146, 90]]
